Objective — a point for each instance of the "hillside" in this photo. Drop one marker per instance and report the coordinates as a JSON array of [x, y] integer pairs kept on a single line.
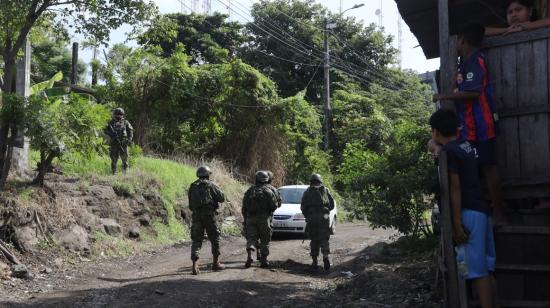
[[88, 213]]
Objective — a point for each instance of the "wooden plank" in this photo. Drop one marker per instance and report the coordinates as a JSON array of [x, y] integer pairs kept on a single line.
[[516, 38], [533, 129], [534, 230], [523, 268], [517, 304], [506, 81], [528, 110]]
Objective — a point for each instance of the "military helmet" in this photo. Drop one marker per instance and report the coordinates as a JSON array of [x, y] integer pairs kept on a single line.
[[203, 172], [316, 178], [118, 111], [262, 177]]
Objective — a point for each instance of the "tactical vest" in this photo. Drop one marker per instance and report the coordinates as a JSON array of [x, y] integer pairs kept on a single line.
[[119, 129]]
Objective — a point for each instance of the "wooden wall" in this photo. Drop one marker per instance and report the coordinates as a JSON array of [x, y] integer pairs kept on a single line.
[[519, 66]]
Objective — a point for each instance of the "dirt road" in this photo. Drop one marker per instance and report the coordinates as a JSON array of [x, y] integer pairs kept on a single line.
[[164, 280]]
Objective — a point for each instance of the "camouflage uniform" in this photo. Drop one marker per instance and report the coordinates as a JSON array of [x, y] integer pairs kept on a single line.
[[259, 203], [121, 133], [317, 202], [204, 199]]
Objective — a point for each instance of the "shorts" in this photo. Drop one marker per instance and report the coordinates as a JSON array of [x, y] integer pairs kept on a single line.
[[486, 151], [480, 248]]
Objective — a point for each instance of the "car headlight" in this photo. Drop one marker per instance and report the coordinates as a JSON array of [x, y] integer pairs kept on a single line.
[[299, 216]]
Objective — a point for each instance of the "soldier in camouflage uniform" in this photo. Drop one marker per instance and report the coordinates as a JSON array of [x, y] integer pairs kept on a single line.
[[317, 202], [259, 203], [121, 133], [279, 202], [204, 200]]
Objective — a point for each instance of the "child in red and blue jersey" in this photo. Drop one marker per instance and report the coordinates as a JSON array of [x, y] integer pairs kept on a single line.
[[476, 109]]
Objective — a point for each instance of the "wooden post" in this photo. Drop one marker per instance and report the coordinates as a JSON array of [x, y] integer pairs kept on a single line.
[[22, 87], [447, 53], [74, 77], [453, 300]]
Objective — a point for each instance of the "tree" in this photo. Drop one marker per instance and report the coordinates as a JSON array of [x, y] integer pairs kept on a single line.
[[286, 44], [394, 187], [50, 57], [89, 17], [207, 38]]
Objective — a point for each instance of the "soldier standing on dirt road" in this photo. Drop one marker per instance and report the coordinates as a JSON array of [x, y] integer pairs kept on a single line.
[[279, 202], [121, 133], [259, 203], [204, 200], [317, 202]]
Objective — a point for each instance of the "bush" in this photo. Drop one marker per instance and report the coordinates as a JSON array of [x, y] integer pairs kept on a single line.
[[60, 124], [395, 186]]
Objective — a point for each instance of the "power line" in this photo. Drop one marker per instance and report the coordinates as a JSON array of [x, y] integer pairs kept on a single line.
[[342, 65], [339, 63]]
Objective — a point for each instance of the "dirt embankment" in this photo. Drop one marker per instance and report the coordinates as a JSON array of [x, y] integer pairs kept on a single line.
[[72, 220]]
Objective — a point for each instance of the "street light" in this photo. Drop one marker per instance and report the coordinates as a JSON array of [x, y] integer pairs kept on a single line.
[[328, 110], [353, 7]]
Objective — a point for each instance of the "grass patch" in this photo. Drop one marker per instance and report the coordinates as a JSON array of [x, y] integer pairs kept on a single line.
[[230, 229], [25, 194], [109, 246]]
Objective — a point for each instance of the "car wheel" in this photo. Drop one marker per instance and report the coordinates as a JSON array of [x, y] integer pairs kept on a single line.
[[333, 227]]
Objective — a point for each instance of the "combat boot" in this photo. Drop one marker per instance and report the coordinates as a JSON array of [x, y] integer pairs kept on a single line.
[[217, 265], [249, 260], [195, 269], [264, 263], [314, 263], [326, 263]]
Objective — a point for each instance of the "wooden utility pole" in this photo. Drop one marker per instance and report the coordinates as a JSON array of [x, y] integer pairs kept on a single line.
[[74, 77]]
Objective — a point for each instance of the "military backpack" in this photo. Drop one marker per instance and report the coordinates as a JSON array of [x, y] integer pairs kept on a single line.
[[317, 196], [200, 195], [261, 199]]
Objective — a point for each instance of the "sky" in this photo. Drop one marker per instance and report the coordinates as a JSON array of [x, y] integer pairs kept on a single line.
[[412, 55]]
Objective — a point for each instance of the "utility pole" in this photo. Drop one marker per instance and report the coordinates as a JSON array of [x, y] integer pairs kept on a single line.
[[327, 108], [74, 71], [329, 25]]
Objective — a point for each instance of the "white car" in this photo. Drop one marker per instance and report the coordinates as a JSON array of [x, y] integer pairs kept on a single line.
[[289, 218]]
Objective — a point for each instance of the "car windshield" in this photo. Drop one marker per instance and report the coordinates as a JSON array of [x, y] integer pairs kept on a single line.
[[291, 195]]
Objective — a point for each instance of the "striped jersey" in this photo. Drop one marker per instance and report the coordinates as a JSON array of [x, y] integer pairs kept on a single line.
[[476, 116]]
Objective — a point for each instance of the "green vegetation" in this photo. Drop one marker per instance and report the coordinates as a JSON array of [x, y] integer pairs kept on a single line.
[[205, 87]]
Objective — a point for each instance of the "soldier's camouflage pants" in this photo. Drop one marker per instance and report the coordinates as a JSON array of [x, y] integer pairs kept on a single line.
[[117, 151], [199, 223], [258, 233], [319, 233]]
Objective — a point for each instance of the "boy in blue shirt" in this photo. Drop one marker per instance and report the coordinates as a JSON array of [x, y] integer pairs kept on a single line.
[[470, 212]]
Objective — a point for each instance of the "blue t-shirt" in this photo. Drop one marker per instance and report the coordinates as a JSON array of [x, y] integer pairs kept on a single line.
[[462, 160]]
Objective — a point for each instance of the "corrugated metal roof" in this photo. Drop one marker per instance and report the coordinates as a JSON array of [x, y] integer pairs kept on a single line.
[[422, 18]]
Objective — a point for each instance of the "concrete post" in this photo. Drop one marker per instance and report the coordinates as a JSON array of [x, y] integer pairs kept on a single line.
[[22, 86]]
